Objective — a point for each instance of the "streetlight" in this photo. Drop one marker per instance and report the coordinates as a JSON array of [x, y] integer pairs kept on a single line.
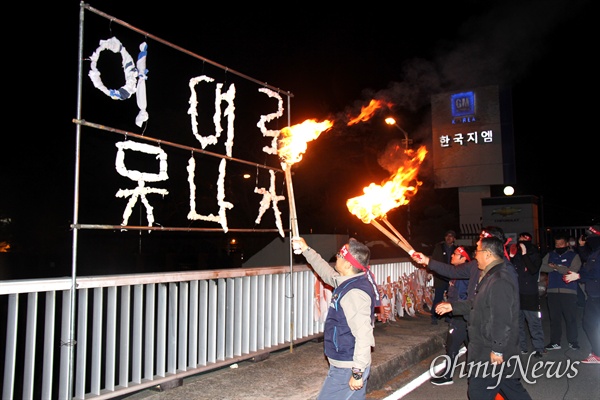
[[392, 121], [407, 141]]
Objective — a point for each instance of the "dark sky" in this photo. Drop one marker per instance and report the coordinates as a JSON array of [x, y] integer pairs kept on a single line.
[[334, 62]]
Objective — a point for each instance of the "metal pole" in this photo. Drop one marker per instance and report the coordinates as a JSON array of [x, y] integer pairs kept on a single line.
[[181, 49], [161, 142], [71, 342], [294, 232], [408, 205], [405, 135]]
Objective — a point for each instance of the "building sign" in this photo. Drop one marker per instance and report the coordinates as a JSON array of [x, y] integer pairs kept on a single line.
[[514, 214], [472, 138], [463, 107], [464, 139]]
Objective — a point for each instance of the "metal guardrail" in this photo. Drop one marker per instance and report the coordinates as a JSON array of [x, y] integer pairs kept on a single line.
[[142, 330]]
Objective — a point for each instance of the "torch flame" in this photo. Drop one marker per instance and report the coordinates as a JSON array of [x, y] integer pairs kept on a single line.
[[367, 112], [293, 139], [378, 200]]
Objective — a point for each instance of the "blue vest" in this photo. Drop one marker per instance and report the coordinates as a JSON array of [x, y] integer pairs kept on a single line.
[[338, 339], [458, 289], [555, 278]]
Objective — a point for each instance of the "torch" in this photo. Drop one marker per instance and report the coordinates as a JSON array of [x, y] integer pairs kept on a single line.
[[378, 200], [396, 237], [291, 201], [291, 145]]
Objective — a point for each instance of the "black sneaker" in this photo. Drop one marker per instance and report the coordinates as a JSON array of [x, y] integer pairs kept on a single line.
[[524, 352], [553, 346], [574, 346], [442, 380], [537, 354]]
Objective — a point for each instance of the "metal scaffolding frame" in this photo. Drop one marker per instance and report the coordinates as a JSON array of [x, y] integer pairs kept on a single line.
[[69, 343]]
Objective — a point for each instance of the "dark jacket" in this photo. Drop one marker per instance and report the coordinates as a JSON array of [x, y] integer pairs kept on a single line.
[[458, 289], [592, 243], [469, 270], [443, 253], [590, 271], [493, 316], [528, 271]]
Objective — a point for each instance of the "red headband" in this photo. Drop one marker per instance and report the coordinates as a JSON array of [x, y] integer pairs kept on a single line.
[[594, 231], [505, 245], [526, 237], [463, 252], [345, 252], [489, 235]]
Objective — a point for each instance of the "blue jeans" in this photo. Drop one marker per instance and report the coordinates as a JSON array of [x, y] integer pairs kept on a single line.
[[336, 385]]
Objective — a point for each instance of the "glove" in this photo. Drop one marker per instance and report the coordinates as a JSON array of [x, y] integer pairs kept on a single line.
[[296, 246], [513, 250], [523, 249]]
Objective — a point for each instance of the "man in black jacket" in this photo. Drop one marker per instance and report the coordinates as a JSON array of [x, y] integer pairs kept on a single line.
[[590, 275], [527, 260], [441, 252], [493, 326], [468, 270]]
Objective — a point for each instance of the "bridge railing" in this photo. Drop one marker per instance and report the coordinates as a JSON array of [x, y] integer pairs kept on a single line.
[[142, 330]]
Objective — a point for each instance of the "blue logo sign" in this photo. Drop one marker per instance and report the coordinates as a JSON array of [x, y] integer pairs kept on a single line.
[[463, 107]]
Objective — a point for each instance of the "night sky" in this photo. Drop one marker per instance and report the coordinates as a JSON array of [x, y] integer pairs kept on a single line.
[[333, 62]]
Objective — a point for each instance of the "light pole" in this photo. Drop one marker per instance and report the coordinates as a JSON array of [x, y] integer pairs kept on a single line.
[[392, 121]]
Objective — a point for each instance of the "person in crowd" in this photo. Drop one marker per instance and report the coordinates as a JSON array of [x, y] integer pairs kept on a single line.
[[348, 330], [585, 247], [493, 325], [527, 260], [574, 245], [589, 274], [442, 251], [561, 296], [457, 325], [468, 270]]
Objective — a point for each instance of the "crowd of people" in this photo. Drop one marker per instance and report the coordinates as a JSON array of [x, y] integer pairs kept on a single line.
[[570, 269], [491, 303]]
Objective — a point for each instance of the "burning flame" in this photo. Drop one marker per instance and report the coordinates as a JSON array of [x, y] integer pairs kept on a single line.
[[378, 200], [367, 112], [293, 139]]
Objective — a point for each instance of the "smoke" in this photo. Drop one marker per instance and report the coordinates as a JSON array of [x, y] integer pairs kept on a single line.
[[500, 45], [497, 46]]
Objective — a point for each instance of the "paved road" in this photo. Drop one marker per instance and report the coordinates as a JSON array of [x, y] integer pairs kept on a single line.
[[584, 384]]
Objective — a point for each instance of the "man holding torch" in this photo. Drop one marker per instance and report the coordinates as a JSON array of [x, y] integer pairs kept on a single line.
[[348, 333], [468, 270], [491, 312]]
